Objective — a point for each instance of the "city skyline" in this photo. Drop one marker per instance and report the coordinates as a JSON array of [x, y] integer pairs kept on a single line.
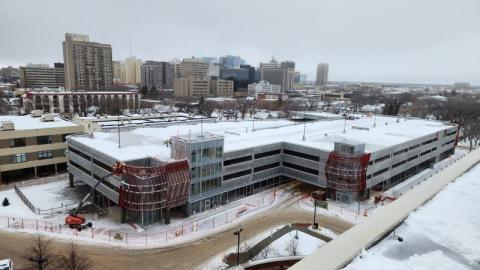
[[370, 41]]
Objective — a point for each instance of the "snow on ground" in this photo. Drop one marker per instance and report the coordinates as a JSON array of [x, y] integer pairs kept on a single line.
[[306, 245], [52, 195], [192, 228], [443, 234], [16, 208]]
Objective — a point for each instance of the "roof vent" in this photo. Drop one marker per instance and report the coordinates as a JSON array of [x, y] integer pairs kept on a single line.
[[37, 113], [7, 125], [47, 117]]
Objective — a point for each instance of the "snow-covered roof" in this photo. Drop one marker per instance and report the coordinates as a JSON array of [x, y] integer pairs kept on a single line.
[[150, 141], [25, 122]]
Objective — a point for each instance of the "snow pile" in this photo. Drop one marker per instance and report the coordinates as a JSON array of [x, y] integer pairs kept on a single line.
[[443, 234]]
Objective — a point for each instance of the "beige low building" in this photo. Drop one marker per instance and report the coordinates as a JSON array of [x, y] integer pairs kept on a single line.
[[31, 147], [190, 87], [221, 88]]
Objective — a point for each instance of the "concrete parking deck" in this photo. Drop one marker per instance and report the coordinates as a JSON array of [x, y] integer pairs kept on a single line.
[[339, 252]]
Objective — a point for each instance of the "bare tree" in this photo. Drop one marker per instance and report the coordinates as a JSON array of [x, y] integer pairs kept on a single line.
[[292, 247], [264, 254], [39, 254], [74, 259]]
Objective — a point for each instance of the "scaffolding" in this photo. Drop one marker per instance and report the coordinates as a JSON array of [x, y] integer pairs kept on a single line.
[[347, 172], [157, 187]]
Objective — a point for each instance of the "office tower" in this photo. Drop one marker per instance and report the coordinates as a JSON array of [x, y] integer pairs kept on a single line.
[[210, 60], [194, 68], [157, 74], [88, 65], [39, 76], [322, 74], [281, 74], [231, 61]]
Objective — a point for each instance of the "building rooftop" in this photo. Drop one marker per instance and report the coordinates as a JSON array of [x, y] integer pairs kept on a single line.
[[151, 141], [26, 122]]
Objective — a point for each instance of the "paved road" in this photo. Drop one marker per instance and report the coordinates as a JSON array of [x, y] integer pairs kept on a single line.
[[187, 256]]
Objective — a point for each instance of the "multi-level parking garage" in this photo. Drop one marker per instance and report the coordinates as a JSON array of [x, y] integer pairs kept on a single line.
[[230, 160]]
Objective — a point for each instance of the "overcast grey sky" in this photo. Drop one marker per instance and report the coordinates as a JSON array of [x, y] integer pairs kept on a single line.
[[362, 40]]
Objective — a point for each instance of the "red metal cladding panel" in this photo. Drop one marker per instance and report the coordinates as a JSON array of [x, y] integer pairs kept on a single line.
[[347, 172], [153, 188]]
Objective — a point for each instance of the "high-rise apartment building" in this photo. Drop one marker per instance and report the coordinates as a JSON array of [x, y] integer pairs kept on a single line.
[[39, 76], [88, 65], [131, 70], [117, 71], [322, 74], [193, 68], [157, 74]]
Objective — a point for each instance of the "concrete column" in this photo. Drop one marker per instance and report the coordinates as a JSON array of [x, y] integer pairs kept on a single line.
[[61, 107], [35, 168], [123, 217], [56, 169], [167, 216], [50, 101], [70, 180], [70, 104]]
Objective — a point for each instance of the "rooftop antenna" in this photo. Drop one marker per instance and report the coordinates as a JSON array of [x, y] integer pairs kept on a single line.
[[130, 45]]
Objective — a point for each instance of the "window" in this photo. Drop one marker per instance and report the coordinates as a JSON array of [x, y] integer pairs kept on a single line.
[[267, 154], [266, 167], [17, 142], [380, 172], [400, 152], [64, 137], [19, 158], [236, 175], [219, 151], [382, 158], [44, 139], [237, 160], [194, 156], [300, 168], [45, 154], [301, 155]]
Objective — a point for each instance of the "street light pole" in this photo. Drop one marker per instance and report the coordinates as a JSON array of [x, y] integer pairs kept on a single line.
[[237, 233], [304, 125], [315, 224]]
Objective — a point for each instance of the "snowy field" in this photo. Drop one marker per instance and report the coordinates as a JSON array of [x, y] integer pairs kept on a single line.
[[443, 234]]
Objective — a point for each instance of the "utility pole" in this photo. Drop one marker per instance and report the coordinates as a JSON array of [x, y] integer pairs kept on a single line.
[[118, 131], [237, 233]]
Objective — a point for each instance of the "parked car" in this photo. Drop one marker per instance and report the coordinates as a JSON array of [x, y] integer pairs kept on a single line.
[[6, 264]]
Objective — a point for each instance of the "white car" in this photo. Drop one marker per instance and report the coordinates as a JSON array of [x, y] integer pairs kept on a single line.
[[6, 264]]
